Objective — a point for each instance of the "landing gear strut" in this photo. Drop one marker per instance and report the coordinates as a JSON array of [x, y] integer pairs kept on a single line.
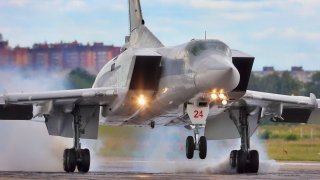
[[76, 157], [244, 160], [196, 143]]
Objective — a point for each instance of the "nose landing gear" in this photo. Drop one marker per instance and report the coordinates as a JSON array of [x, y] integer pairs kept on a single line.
[[198, 115], [196, 143]]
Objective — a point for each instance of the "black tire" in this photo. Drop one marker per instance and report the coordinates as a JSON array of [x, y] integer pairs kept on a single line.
[[203, 147], [65, 165], [190, 146], [69, 160], [84, 163], [253, 165], [233, 159], [241, 161]]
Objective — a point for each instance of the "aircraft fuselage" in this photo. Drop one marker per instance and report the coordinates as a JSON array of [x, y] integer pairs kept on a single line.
[[185, 72]]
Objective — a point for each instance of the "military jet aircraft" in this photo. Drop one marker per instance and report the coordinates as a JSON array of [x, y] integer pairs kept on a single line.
[[198, 84]]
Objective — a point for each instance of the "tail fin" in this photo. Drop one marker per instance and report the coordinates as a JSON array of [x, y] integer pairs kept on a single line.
[[135, 14], [140, 35]]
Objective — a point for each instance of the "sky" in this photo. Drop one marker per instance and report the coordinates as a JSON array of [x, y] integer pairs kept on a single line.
[[279, 33]]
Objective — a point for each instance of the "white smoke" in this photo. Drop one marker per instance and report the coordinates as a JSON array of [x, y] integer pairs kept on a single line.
[[164, 152], [16, 80], [26, 145]]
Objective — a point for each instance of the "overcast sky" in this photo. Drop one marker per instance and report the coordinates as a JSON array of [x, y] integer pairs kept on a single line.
[[280, 33]]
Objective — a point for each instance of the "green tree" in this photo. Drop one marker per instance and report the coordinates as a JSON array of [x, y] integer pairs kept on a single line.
[[276, 83], [314, 85], [288, 85], [254, 82], [79, 79]]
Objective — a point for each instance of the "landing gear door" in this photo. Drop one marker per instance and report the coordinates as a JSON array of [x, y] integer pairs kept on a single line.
[[198, 114]]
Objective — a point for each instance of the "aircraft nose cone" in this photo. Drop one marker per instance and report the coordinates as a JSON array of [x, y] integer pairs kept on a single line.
[[226, 78]]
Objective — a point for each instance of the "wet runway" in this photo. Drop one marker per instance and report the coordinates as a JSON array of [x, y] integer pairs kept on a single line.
[[177, 170]]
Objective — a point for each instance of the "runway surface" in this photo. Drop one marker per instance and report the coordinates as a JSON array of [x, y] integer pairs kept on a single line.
[[177, 170]]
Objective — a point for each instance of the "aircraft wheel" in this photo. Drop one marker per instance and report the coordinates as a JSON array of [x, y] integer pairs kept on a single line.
[[190, 146], [69, 160], [84, 164], [152, 124], [233, 158], [202, 147], [241, 161], [253, 165]]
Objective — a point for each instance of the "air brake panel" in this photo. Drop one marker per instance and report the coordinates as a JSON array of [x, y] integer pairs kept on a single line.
[[146, 73]]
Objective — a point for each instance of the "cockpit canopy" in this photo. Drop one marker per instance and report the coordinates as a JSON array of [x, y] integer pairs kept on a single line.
[[198, 46]]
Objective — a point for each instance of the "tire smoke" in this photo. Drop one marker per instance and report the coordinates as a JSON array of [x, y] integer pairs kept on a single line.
[[26, 145], [164, 152]]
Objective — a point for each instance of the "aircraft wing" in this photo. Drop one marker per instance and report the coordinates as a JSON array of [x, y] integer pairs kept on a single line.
[[18, 106], [263, 106], [94, 96], [57, 107], [294, 109]]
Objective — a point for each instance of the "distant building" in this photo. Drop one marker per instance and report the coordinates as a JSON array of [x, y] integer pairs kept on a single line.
[[5, 52], [296, 69], [268, 69], [59, 56], [21, 56], [298, 73]]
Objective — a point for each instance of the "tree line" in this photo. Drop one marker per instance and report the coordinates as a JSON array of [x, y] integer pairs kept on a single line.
[[284, 83]]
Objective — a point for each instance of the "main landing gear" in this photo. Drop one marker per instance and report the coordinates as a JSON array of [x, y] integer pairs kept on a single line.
[[196, 143], [244, 160], [76, 157]]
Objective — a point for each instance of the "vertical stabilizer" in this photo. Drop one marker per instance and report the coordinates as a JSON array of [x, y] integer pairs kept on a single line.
[[140, 35], [135, 14]]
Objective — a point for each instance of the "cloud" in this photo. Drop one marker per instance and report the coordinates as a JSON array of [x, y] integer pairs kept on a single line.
[[239, 16], [300, 7], [118, 7], [74, 5], [293, 33], [228, 4], [14, 3], [288, 33], [59, 6], [307, 7], [207, 4], [265, 33]]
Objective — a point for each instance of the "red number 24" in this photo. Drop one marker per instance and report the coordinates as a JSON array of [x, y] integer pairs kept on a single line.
[[197, 114]]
